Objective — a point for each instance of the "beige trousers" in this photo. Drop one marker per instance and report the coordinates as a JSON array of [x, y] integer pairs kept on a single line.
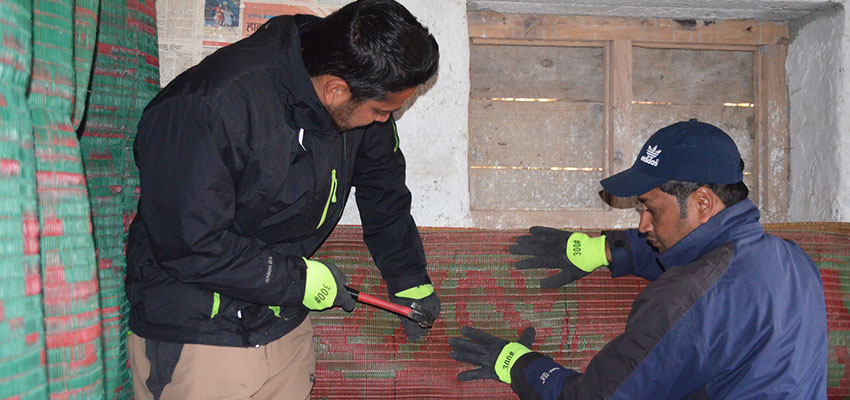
[[283, 369]]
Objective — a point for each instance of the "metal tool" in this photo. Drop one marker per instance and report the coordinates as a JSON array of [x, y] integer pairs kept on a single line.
[[415, 312]]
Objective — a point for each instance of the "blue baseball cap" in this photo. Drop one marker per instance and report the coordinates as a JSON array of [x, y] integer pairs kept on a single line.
[[688, 151]]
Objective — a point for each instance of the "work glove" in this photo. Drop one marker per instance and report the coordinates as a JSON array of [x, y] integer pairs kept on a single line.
[[425, 296], [325, 287], [495, 356], [575, 253]]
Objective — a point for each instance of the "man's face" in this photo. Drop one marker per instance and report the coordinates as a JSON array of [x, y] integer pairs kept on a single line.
[[351, 114], [661, 220]]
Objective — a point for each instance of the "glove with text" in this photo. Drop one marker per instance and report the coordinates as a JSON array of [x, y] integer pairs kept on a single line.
[[325, 287], [426, 297], [495, 356], [575, 253]]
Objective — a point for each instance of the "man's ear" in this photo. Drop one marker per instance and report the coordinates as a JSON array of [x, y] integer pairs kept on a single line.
[[332, 90], [707, 204]]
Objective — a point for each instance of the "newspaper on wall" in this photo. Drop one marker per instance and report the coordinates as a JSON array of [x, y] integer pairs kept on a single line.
[[190, 30]]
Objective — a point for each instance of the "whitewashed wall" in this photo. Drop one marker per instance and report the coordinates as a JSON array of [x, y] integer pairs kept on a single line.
[[433, 131], [842, 108], [815, 88]]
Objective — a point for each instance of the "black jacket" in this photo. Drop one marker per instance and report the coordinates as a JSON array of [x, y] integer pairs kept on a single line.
[[243, 173]]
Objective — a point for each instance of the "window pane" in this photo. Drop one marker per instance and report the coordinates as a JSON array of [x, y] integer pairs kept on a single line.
[[544, 156], [693, 76], [537, 127], [565, 73], [534, 190]]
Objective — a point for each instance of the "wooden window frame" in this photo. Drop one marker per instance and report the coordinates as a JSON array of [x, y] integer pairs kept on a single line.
[[618, 36]]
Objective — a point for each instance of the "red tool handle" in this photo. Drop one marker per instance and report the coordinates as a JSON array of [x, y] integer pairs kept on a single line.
[[374, 301], [386, 305], [419, 315]]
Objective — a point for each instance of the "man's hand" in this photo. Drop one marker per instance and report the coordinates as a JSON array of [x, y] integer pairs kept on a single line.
[[575, 253], [495, 356], [325, 287], [425, 296]]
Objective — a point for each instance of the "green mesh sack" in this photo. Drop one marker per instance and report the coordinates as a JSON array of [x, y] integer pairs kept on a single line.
[[22, 373], [69, 271], [125, 78]]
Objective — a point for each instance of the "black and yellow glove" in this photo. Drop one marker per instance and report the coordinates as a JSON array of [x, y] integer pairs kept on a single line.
[[495, 356], [425, 296], [575, 253], [325, 287]]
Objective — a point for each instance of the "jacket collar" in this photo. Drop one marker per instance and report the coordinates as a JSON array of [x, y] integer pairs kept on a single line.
[[739, 220], [307, 111]]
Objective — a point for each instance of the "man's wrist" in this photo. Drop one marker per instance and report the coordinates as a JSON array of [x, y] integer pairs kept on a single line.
[[417, 292], [538, 376], [620, 252], [509, 355], [319, 287], [399, 284], [585, 252]]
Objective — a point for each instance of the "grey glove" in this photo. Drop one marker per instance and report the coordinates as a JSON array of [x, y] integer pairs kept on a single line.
[[575, 253], [495, 356], [426, 297]]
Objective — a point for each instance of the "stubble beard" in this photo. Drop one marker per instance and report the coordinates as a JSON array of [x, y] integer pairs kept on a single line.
[[341, 115]]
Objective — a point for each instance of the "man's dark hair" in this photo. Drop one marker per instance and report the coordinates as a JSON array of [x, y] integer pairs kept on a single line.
[[376, 46], [729, 194]]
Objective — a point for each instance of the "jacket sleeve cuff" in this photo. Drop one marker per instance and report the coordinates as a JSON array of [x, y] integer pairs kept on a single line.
[[535, 376], [399, 283], [621, 253], [294, 294]]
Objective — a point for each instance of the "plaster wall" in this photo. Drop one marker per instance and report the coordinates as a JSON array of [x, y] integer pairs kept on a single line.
[[433, 131], [814, 86], [842, 141]]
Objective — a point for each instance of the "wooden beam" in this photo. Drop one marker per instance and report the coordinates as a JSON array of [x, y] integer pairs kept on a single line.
[[621, 153], [556, 27], [777, 147], [620, 95], [760, 131], [523, 42], [697, 46], [572, 218]]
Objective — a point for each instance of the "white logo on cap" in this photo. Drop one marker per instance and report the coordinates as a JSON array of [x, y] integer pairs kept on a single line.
[[651, 153]]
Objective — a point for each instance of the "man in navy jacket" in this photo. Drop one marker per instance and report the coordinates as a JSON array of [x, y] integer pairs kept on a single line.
[[732, 312]]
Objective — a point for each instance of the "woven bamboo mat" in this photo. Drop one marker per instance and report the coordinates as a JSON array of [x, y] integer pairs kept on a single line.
[[365, 355]]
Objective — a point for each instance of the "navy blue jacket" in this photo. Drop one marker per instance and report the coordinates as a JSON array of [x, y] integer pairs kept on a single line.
[[733, 313], [243, 174]]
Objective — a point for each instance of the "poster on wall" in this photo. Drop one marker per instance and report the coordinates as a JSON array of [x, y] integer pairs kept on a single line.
[[221, 23], [256, 14]]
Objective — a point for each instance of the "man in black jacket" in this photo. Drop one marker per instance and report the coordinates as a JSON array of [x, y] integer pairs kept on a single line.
[[246, 161]]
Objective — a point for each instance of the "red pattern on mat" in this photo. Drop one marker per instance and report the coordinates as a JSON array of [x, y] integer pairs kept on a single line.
[[365, 355]]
